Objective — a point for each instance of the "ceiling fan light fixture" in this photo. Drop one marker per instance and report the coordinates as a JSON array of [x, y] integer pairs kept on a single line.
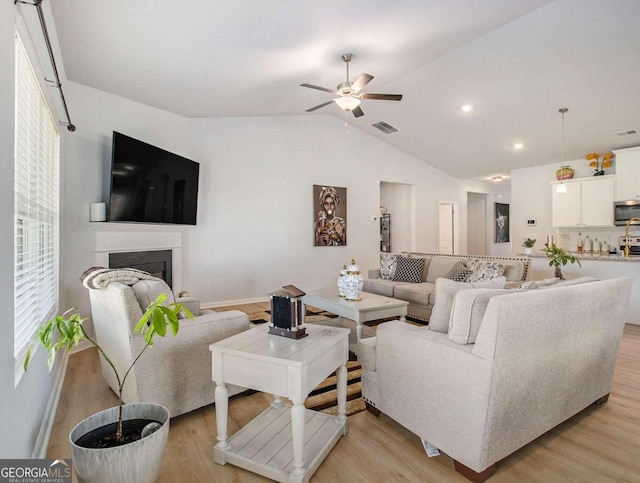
[[348, 103]]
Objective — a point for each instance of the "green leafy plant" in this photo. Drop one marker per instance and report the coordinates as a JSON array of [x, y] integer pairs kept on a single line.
[[66, 331], [529, 242], [559, 258]]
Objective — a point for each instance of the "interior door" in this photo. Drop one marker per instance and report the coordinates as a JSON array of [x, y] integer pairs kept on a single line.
[[447, 228]]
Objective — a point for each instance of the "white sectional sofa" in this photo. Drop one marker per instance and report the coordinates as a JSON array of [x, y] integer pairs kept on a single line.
[[538, 358], [421, 296]]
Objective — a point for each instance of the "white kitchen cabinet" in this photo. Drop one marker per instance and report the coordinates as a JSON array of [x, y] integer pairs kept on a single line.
[[588, 202], [627, 173]]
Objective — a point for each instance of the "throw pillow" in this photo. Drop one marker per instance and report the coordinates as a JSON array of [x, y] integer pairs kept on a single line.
[[536, 284], [468, 311], [387, 265], [485, 270], [408, 269], [459, 272], [445, 292]]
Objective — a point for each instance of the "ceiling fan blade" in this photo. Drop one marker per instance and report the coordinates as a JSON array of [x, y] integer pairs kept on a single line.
[[383, 97], [361, 81], [311, 86], [357, 112], [321, 105]]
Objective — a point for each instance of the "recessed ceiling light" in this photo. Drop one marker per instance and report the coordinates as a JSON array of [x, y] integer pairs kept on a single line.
[[497, 179], [466, 108], [518, 146]]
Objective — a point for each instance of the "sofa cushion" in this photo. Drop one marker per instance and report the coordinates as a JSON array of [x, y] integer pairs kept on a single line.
[[459, 272], [445, 291], [513, 270], [387, 265], [416, 293], [408, 269], [485, 270], [146, 291], [468, 311], [386, 288], [440, 266]]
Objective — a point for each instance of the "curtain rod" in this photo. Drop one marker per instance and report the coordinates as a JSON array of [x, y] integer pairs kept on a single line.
[[45, 32]]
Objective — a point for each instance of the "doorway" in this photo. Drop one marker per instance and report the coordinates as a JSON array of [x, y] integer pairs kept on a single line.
[[477, 223], [448, 228]]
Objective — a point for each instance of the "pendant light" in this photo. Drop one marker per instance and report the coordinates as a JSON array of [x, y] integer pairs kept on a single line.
[[561, 188]]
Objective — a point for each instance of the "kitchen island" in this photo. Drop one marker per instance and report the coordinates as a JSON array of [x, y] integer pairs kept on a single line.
[[600, 266]]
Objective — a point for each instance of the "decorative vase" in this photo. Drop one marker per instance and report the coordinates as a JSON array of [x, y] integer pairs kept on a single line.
[[343, 273], [565, 172], [558, 273], [353, 282]]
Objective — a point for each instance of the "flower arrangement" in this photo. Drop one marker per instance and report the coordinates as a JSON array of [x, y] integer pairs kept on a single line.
[[597, 165]]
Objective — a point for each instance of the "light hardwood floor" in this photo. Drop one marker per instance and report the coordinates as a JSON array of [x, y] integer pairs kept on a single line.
[[600, 444]]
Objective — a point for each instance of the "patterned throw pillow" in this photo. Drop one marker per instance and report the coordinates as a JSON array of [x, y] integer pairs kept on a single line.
[[408, 269], [536, 284], [459, 272], [485, 270], [387, 265]]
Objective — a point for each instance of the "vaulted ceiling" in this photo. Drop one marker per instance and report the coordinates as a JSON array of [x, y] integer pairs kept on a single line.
[[515, 61]]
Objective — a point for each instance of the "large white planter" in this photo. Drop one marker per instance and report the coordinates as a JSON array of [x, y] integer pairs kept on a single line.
[[138, 462]]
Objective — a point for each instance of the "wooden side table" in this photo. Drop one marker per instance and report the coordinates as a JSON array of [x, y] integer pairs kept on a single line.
[[285, 443]]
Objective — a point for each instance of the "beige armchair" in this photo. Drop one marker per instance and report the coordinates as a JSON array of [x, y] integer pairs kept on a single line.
[[175, 371]]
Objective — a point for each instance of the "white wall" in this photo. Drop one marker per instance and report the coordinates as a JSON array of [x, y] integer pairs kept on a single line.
[[255, 216]]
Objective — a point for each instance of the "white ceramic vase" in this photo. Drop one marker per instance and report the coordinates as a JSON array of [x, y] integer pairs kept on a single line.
[[138, 461], [353, 282], [343, 273]]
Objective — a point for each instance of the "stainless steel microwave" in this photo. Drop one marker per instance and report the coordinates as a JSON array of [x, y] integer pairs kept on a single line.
[[623, 211]]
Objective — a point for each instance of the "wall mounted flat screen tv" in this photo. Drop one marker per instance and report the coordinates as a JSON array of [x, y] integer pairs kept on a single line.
[[151, 185]]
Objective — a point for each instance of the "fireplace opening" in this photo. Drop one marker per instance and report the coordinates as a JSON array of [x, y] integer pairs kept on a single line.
[[157, 262]]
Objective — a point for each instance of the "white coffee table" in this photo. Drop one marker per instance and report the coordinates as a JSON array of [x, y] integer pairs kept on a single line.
[[370, 307], [285, 443]]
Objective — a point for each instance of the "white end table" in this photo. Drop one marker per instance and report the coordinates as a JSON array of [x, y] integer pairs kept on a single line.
[[275, 443]]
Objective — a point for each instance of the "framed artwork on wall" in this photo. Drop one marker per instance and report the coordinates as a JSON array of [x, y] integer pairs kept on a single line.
[[501, 217], [329, 216]]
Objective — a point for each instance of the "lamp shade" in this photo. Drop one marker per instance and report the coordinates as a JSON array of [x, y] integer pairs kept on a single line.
[[348, 103]]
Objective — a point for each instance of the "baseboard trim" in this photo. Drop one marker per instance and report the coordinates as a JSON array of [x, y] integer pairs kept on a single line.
[[224, 303], [42, 442]]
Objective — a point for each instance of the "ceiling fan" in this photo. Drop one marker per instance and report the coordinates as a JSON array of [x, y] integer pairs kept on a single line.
[[349, 95]]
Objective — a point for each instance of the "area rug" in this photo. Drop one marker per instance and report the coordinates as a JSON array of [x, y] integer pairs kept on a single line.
[[324, 398]]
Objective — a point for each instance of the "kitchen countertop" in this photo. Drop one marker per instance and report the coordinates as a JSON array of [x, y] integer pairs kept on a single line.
[[589, 256]]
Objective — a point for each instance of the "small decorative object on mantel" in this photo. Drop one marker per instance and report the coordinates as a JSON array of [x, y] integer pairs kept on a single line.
[[353, 282], [597, 165], [565, 172], [528, 245], [287, 312], [343, 273]]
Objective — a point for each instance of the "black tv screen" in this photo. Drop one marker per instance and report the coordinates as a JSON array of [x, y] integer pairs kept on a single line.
[[151, 185]]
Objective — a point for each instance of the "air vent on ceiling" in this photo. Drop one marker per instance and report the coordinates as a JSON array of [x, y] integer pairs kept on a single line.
[[627, 132], [144, 5], [384, 127]]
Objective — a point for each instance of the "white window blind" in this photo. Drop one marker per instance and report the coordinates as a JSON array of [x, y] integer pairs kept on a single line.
[[37, 147]]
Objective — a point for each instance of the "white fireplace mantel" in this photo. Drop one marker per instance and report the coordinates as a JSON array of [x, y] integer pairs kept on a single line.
[[133, 237]]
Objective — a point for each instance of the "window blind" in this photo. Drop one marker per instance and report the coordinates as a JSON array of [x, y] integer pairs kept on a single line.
[[36, 186]]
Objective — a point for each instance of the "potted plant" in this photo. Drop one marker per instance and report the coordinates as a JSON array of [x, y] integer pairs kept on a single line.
[[559, 258], [126, 442], [528, 245]]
